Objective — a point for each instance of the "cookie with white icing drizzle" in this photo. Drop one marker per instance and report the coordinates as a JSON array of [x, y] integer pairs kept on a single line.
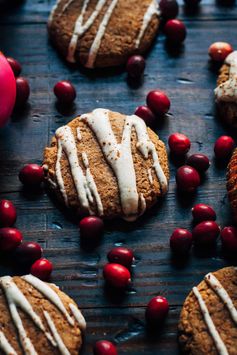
[[107, 164], [208, 321], [37, 318], [231, 183], [102, 33]]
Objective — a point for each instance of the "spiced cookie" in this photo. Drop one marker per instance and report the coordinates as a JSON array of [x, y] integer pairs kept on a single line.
[[208, 321], [231, 184], [37, 318], [102, 33], [226, 91], [107, 164]]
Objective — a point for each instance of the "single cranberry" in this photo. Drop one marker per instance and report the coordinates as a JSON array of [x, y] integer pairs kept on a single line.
[[7, 213], [169, 9], [158, 102], [22, 91], [202, 212], [116, 275], [223, 147], [65, 92], [157, 310], [175, 31], [104, 347], [136, 66], [218, 51], [10, 238], [199, 161], [187, 178], [190, 3], [28, 252], [31, 175], [146, 114], [179, 143], [42, 269], [205, 233], [181, 241], [91, 227], [229, 239], [121, 255], [15, 65]]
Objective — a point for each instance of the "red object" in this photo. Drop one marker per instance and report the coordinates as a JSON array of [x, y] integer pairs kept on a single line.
[[146, 114], [199, 162], [91, 227], [15, 65], [104, 347], [187, 178], [158, 102], [116, 275], [179, 143], [181, 241], [10, 238], [42, 269], [205, 233], [223, 147], [7, 213], [65, 92], [175, 31], [28, 252], [229, 239], [169, 9], [121, 255], [157, 310], [7, 90], [202, 212], [136, 66], [218, 51], [22, 91], [31, 175]]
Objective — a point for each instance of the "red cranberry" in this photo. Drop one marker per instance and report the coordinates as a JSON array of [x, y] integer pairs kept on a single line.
[[42, 269], [223, 147], [157, 310], [175, 31], [229, 239], [145, 113], [179, 143], [10, 238], [116, 275], [187, 178], [121, 255], [7, 213], [15, 65], [91, 227], [202, 212], [158, 102], [169, 8], [65, 92], [31, 175], [205, 233], [28, 252], [199, 162], [22, 91], [218, 51], [136, 66], [181, 241], [104, 347]]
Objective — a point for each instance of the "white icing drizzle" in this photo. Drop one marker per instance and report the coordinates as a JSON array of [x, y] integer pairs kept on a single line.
[[61, 346], [152, 9], [52, 183], [142, 204], [227, 91], [79, 137], [78, 316], [221, 292], [5, 346], [221, 348], [150, 178], [99, 35], [66, 6], [59, 172]]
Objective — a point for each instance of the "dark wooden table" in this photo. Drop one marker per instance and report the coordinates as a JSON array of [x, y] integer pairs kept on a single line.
[[189, 79]]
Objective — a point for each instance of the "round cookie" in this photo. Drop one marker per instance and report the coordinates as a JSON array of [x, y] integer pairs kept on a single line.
[[208, 321], [102, 33], [37, 318], [107, 164], [231, 184]]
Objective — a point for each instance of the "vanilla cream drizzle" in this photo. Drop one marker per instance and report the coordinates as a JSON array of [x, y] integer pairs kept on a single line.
[[5, 346], [227, 91]]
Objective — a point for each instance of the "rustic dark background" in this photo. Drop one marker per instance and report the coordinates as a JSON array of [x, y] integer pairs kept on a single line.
[[189, 79]]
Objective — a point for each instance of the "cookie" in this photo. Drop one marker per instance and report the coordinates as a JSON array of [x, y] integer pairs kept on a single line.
[[208, 321], [231, 184], [37, 318], [107, 164], [226, 91], [102, 33]]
